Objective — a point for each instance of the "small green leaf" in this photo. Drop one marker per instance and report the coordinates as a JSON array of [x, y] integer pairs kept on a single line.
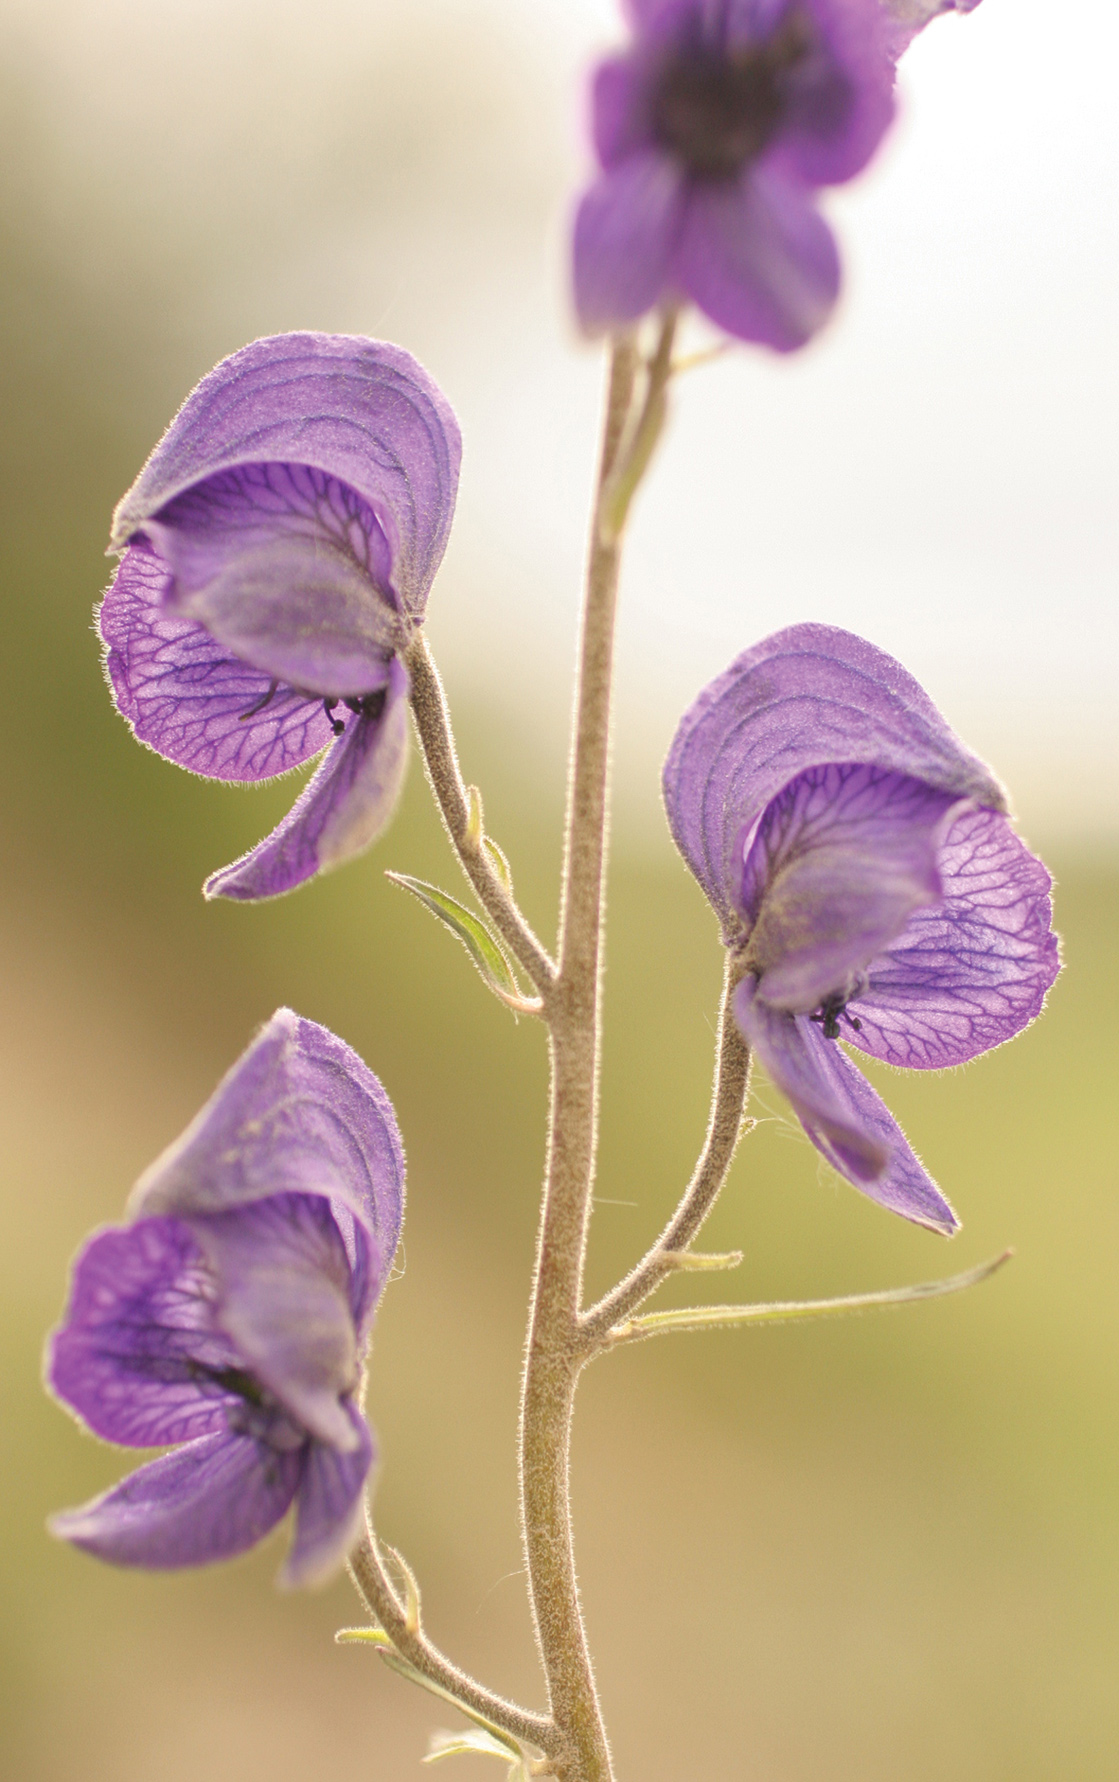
[[479, 940], [700, 1261], [460, 1744], [498, 861], [475, 818], [363, 1636]]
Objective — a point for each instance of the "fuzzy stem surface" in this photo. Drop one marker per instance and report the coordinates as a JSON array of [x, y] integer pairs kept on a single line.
[[433, 725], [553, 1351], [374, 1585]]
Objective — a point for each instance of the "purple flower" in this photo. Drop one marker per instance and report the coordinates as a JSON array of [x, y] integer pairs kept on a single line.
[[231, 1316], [905, 18], [866, 877], [278, 548], [713, 132]]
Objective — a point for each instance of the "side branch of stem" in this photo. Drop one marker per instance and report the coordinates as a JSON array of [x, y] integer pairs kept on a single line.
[[732, 1080], [433, 724], [374, 1585]]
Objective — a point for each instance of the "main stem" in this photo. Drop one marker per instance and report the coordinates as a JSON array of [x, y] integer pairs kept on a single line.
[[555, 1350]]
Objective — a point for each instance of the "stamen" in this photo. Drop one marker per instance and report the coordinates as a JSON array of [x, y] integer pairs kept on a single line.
[[338, 725], [829, 1012], [368, 705], [261, 703]]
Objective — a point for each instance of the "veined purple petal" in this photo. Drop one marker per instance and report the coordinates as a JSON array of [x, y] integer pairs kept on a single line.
[[299, 1112], [758, 259], [843, 1116], [342, 809], [973, 972], [209, 1500], [329, 1506], [841, 860], [137, 1355], [281, 1293], [289, 570], [360, 410], [805, 696], [626, 231], [185, 696]]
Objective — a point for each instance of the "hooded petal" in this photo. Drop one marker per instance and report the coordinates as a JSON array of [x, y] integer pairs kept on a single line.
[[216, 1497], [343, 808], [843, 1116], [299, 1112], [282, 1294], [758, 259], [137, 1355], [626, 230], [842, 858], [289, 570], [973, 972], [362, 411], [183, 693], [329, 1505], [803, 697]]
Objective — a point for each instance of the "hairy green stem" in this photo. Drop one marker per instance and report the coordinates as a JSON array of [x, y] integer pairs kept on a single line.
[[554, 1353]]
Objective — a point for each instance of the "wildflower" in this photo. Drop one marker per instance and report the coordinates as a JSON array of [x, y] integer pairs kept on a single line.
[[869, 886], [713, 132], [231, 1316], [905, 18], [278, 548]]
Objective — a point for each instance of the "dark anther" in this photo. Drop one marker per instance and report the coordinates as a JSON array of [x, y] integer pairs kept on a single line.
[[828, 1013], [719, 110], [336, 724], [368, 705], [261, 703]]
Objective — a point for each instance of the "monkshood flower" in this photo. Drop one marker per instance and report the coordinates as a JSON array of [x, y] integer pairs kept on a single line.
[[868, 882], [231, 1316], [278, 548], [714, 132], [905, 18]]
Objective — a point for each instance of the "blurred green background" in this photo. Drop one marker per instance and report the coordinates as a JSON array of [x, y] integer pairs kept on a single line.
[[877, 1548]]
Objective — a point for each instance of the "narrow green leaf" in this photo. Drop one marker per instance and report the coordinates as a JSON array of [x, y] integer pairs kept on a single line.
[[499, 863], [478, 939], [363, 1636], [475, 818], [459, 1744], [699, 1262], [394, 1661], [788, 1311]]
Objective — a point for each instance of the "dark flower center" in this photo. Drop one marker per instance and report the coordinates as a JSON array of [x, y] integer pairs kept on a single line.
[[365, 705], [829, 1012], [718, 109]]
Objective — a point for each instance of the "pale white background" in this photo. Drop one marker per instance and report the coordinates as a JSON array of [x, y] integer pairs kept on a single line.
[[937, 471]]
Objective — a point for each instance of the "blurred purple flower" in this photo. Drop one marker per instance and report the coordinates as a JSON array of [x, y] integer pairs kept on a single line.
[[232, 1315], [278, 548], [905, 18], [865, 873], [713, 132]]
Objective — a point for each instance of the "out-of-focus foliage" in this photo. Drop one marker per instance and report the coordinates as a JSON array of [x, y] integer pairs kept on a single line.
[[884, 1547]]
